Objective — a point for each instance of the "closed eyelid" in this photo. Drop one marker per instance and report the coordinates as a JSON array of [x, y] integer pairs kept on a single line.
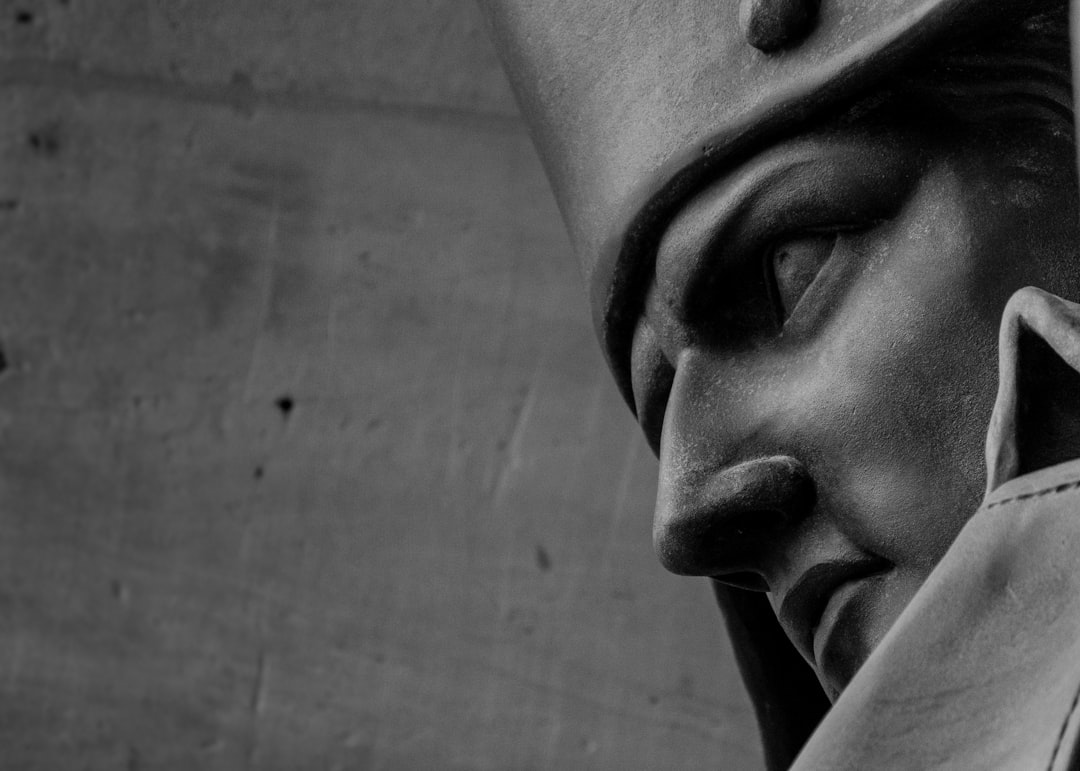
[[707, 226], [810, 184]]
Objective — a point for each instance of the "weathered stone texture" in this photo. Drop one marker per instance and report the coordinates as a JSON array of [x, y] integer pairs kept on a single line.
[[307, 455]]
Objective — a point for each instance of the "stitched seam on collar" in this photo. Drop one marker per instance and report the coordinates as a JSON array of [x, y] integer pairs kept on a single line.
[[1036, 494], [1064, 727]]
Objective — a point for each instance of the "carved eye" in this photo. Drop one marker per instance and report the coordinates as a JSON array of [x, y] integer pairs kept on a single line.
[[793, 265]]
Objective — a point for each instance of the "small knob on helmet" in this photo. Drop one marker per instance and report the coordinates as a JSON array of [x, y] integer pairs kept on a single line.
[[770, 25]]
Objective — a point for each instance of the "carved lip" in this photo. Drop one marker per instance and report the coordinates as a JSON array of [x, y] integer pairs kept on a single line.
[[802, 607]]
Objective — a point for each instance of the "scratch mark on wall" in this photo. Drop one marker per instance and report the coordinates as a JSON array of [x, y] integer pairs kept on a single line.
[[266, 308], [336, 297], [256, 706], [622, 497], [338, 160], [551, 751], [74, 76], [126, 470], [452, 467], [591, 426], [258, 689], [511, 461]]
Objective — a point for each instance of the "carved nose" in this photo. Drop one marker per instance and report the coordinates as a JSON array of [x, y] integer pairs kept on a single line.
[[718, 524]]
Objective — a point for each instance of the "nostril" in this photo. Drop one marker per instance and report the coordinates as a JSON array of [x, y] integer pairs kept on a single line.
[[759, 491], [723, 523], [752, 582], [717, 542]]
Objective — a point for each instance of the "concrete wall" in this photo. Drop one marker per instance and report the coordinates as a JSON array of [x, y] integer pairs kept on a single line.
[[307, 456]]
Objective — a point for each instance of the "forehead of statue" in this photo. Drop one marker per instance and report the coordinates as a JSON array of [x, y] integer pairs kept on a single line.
[[633, 104]]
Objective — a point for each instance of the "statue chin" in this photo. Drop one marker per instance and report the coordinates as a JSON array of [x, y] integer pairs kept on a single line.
[[991, 638]]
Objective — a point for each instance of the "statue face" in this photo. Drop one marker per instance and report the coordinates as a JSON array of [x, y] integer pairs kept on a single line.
[[804, 313], [816, 358]]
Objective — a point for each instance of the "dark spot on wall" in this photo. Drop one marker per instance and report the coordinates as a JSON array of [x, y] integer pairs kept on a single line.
[[241, 79], [3, 361], [45, 141], [285, 405], [260, 472], [119, 591], [243, 94], [543, 559], [654, 699], [9, 204], [24, 17]]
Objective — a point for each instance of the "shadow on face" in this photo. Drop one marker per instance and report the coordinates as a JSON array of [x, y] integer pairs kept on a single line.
[[816, 359]]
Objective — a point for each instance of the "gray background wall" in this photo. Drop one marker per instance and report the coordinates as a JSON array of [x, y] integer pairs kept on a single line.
[[308, 457]]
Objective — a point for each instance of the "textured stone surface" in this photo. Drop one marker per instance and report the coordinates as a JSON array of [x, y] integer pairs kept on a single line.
[[308, 458]]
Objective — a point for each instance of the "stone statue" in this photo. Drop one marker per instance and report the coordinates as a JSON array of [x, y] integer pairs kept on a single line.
[[810, 233]]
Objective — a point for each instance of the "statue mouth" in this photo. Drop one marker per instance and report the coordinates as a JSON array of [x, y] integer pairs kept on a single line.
[[823, 607]]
